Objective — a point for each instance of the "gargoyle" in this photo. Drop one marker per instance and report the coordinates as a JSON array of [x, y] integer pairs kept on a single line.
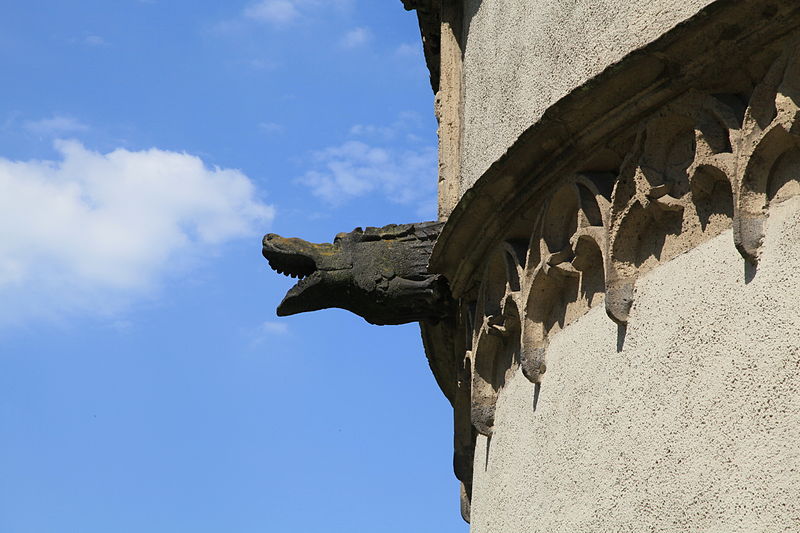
[[380, 274]]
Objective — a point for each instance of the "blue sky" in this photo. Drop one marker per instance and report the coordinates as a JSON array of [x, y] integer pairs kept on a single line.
[[145, 382]]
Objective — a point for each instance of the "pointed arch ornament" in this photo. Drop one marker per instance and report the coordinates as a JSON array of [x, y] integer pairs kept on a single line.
[[652, 158]]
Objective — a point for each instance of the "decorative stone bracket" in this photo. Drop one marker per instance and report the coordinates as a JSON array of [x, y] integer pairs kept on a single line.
[[706, 162]]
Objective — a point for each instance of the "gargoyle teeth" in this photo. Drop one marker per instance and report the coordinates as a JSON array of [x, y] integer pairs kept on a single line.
[[288, 268], [283, 259]]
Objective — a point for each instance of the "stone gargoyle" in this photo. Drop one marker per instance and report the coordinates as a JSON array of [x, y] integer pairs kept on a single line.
[[380, 274]]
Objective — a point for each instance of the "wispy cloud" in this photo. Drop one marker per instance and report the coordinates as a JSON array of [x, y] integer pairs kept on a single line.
[[273, 11], [95, 40], [267, 333], [54, 126], [409, 50], [93, 232], [385, 160], [270, 127], [283, 12], [371, 130], [404, 126], [356, 37], [275, 328], [261, 63]]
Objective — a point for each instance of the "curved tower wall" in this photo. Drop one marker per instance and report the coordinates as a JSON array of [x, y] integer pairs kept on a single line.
[[690, 421], [521, 56]]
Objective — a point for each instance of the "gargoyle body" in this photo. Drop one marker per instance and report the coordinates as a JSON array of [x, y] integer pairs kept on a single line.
[[380, 274]]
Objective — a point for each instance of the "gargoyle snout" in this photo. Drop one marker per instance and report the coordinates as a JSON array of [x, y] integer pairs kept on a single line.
[[288, 256], [274, 243]]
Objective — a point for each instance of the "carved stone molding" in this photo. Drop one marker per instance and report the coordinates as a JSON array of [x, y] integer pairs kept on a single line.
[[724, 51], [767, 152], [711, 159]]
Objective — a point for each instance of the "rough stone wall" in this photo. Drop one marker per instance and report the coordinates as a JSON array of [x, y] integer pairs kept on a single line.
[[689, 421], [522, 56]]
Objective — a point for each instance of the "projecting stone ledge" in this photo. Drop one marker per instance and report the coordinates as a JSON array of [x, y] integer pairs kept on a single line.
[[380, 274]]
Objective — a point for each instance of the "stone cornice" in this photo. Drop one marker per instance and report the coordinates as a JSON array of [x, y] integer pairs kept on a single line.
[[689, 137], [700, 53]]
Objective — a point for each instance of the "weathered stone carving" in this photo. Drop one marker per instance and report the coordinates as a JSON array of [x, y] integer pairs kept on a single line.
[[768, 152], [673, 191], [704, 163], [380, 274], [701, 165]]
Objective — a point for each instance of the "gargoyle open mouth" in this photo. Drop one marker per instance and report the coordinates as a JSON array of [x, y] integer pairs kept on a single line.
[[296, 258], [292, 265], [289, 256]]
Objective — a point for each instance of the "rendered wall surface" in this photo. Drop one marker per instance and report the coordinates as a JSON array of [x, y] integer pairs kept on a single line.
[[692, 425], [522, 56]]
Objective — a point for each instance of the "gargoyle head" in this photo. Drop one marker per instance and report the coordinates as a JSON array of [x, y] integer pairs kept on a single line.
[[380, 274], [322, 270]]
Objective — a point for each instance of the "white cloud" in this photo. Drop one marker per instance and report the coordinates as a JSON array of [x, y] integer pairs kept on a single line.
[[355, 168], [267, 332], [95, 40], [405, 123], [92, 232], [283, 12], [387, 160], [270, 127], [356, 37], [261, 64], [275, 328], [273, 11], [55, 125], [370, 130], [409, 50]]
